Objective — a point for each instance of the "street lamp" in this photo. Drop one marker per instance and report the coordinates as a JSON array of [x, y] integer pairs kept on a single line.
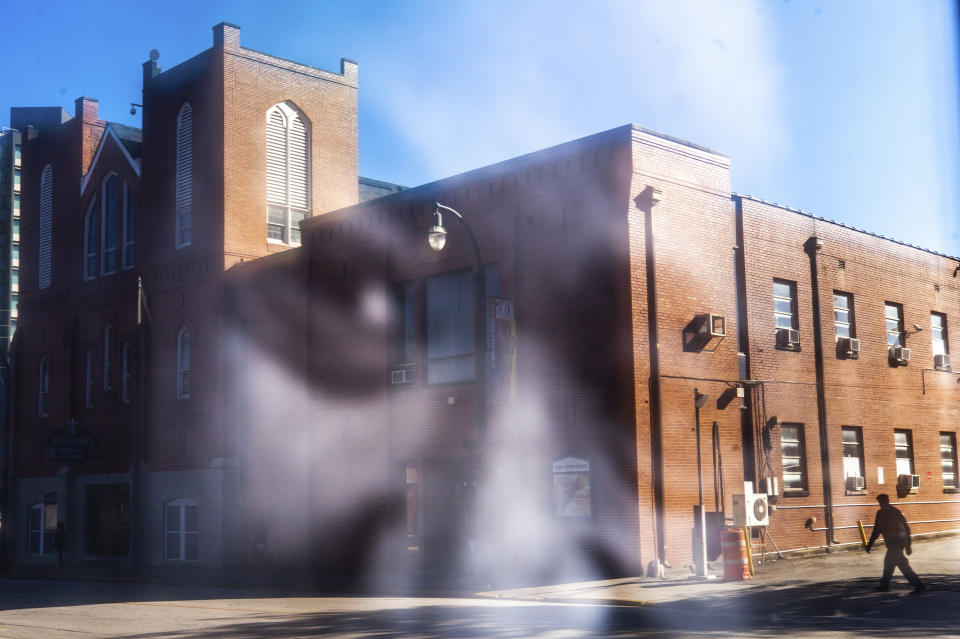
[[699, 401], [437, 238]]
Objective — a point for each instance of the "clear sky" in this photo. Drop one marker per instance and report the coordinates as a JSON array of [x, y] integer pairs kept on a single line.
[[847, 110]]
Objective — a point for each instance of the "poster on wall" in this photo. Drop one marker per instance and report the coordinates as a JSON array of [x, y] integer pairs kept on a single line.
[[501, 350], [571, 488]]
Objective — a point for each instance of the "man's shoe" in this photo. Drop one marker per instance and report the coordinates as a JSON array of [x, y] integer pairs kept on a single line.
[[882, 588], [919, 588]]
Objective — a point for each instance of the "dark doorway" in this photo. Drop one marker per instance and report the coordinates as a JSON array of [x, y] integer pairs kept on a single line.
[[448, 510], [107, 520]]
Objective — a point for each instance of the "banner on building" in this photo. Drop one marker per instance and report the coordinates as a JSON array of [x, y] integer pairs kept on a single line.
[[501, 350], [571, 488]]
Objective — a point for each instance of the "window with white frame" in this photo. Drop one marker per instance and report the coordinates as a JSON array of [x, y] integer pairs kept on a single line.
[[843, 315], [43, 385], [129, 216], [450, 319], [794, 457], [894, 319], [41, 524], [183, 363], [852, 439], [125, 375], [107, 361], [182, 530], [938, 333], [109, 201], [288, 172], [948, 459], [784, 304], [88, 377], [46, 228], [903, 445], [91, 240], [184, 176]]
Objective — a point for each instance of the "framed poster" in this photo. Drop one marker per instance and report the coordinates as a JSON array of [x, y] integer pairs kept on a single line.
[[572, 496]]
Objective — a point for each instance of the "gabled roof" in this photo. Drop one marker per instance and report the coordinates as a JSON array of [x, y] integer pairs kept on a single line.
[[127, 138]]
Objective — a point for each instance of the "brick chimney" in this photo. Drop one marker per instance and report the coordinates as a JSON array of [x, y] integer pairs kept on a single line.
[[226, 36], [86, 110], [91, 130]]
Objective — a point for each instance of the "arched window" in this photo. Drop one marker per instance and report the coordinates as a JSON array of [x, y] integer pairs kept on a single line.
[[182, 530], [108, 214], [107, 361], [288, 172], [41, 525], [183, 363], [184, 196], [46, 227], [91, 240], [126, 377], [43, 385], [129, 215]]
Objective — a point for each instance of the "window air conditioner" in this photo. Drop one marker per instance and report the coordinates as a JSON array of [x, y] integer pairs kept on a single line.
[[788, 337], [850, 346], [751, 510], [705, 332], [908, 482], [855, 483], [406, 375], [900, 354], [941, 362]]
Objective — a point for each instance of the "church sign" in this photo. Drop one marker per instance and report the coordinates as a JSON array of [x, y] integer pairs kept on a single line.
[[70, 445]]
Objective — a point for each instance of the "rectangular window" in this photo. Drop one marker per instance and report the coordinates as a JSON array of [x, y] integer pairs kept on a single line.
[[16, 179], [948, 459], [852, 437], [125, 377], [938, 333], [406, 327], [903, 444], [450, 318], [16, 204], [794, 457], [88, 370], [785, 304], [14, 279], [894, 317], [16, 228], [15, 255], [843, 314], [129, 217], [17, 154]]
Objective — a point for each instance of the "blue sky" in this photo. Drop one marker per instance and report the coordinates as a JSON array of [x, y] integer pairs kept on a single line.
[[847, 110]]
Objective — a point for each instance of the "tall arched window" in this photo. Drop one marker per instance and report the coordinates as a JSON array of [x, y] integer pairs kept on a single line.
[[183, 363], [184, 194], [46, 227], [288, 172], [91, 240], [43, 385], [109, 202], [129, 215]]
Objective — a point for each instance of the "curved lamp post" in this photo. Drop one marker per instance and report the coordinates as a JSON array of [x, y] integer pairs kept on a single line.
[[437, 238]]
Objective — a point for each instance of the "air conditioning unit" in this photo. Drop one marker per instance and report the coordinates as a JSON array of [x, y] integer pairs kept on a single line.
[[751, 510], [908, 482], [405, 375], [850, 346], [705, 332], [941, 362], [855, 483], [900, 355], [788, 337]]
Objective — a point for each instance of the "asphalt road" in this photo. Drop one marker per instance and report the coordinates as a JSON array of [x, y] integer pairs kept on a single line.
[[823, 596]]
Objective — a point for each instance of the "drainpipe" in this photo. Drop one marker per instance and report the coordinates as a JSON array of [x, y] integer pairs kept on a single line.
[[649, 198], [812, 247], [743, 349]]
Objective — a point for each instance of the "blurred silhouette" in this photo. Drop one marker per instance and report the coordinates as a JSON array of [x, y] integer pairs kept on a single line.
[[60, 542], [891, 523]]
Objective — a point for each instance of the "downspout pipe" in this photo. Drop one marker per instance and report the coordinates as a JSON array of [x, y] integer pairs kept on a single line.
[[743, 347], [812, 247], [647, 199]]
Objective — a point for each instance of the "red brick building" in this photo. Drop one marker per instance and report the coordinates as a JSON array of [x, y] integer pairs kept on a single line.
[[327, 393]]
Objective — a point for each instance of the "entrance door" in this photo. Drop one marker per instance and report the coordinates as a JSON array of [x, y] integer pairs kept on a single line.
[[448, 506], [107, 520]]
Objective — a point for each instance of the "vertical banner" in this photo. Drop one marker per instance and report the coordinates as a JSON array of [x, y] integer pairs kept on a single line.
[[501, 350]]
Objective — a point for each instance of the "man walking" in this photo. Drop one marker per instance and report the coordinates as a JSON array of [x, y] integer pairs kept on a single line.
[[891, 523]]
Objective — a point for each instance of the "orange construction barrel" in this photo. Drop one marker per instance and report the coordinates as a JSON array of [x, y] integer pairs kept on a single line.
[[735, 564]]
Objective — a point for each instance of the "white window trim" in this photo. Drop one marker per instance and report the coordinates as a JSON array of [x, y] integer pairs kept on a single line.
[[792, 301], [184, 371], [183, 217], [181, 532], [103, 224], [909, 462], [939, 346], [127, 238], [42, 507], [88, 273], [289, 112], [952, 449], [899, 319], [851, 329]]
